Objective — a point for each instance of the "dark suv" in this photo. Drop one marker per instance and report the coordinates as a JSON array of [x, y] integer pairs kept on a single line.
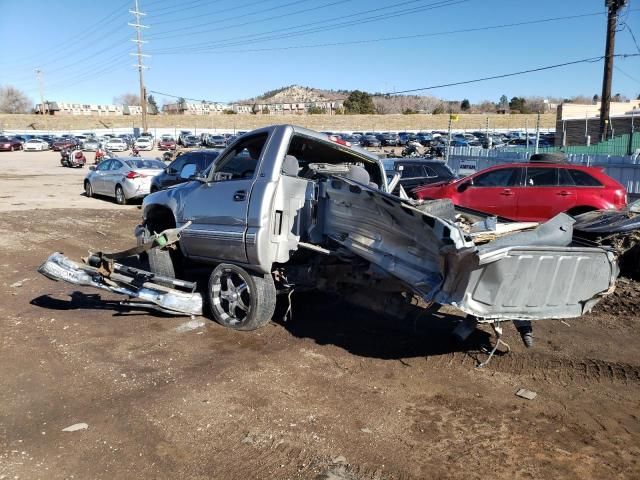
[[184, 166], [416, 172]]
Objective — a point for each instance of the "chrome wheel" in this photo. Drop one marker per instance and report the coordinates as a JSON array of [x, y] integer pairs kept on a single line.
[[120, 198], [230, 296]]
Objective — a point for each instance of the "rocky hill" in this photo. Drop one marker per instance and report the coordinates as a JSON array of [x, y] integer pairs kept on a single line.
[[296, 94]]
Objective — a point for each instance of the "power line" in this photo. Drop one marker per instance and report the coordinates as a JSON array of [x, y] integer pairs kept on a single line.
[[452, 84], [626, 25], [92, 69], [404, 37], [202, 15], [626, 74], [253, 37], [512, 74], [260, 37], [89, 31], [227, 27], [180, 8]]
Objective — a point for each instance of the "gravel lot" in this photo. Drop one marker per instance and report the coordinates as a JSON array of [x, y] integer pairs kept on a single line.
[[334, 393]]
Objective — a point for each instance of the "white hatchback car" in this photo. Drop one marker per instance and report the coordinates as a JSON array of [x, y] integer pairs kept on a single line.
[[144, 143], [116, 145], [35, 145]]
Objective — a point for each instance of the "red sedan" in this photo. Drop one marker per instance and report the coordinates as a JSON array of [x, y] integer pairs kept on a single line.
[[10, 144], [531, 191], [166, 143], [63, 143]]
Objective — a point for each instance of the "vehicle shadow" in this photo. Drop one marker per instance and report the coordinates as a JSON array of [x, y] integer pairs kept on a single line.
[[93, 301], [328, 320]]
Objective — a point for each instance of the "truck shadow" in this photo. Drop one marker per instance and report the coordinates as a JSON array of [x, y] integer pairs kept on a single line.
[[92, 301], [328, 320]]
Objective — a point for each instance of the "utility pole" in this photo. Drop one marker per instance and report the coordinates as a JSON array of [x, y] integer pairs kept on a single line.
[[138, 40], [446, 160], [613, 7], [537, 132], [40, 85]]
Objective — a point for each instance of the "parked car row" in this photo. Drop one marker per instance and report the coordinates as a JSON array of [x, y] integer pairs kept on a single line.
[[532, 192], [439, 138]]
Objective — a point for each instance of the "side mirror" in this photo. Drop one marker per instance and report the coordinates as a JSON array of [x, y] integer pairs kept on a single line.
[[92, 167], [464, 185], [171, 171], [199, 177]]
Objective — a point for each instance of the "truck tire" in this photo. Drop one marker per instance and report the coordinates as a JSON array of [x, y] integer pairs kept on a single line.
[[160, 261], [240, 299]]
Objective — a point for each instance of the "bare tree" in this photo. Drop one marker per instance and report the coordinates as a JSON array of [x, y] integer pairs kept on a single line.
[[582, 99], [13, 100], [486, 106], [127, 99]]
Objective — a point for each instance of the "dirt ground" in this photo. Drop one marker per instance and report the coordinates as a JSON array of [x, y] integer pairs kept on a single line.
[[333, 393]]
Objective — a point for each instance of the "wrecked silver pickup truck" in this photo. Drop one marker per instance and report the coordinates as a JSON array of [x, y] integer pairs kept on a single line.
[[288, 206], [284, 207]]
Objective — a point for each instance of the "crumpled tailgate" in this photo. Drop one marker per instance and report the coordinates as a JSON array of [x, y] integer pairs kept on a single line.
[[532, 282], [437, 260]]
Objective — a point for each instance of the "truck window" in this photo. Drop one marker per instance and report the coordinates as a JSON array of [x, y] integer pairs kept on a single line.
[[242, 161]]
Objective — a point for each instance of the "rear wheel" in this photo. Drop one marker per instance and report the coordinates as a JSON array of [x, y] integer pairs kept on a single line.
[[88, 189], [120, 198], [240, 299]]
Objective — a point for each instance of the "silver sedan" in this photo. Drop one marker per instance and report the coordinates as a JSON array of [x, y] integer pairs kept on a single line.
[[122, 178]]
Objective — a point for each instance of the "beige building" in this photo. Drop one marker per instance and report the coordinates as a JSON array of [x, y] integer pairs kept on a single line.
[[189, 108], [65, 108], [300, 108], [580, 124], [568, 111]]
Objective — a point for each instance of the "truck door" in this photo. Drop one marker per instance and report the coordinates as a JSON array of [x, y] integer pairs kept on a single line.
[[218, 208]]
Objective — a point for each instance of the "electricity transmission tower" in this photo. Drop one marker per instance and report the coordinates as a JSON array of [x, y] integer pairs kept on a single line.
[[140, 65]]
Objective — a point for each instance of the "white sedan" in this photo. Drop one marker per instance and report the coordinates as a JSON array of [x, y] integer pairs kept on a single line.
[[116, 145], [144, 143], [35, 145]]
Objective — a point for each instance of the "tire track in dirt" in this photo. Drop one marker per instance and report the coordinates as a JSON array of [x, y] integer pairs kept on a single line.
[[268, 456], [546, 368]]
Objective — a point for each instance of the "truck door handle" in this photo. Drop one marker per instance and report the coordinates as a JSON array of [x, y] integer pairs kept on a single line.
[[507, 193], [240, 196], [563, 193]]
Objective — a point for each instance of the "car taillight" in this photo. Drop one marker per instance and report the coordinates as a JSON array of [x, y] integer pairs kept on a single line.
[[132, 175], [620, 197], [339, 140]]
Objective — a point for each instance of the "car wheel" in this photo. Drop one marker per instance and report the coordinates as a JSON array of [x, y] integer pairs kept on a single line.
[[240, 299], [88, 189], [120, 198]]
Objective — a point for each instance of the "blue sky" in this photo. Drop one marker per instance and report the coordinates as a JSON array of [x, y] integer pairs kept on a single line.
[[233, 49]]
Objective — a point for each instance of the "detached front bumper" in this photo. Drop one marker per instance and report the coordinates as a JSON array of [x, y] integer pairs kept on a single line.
[[125, 281]]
